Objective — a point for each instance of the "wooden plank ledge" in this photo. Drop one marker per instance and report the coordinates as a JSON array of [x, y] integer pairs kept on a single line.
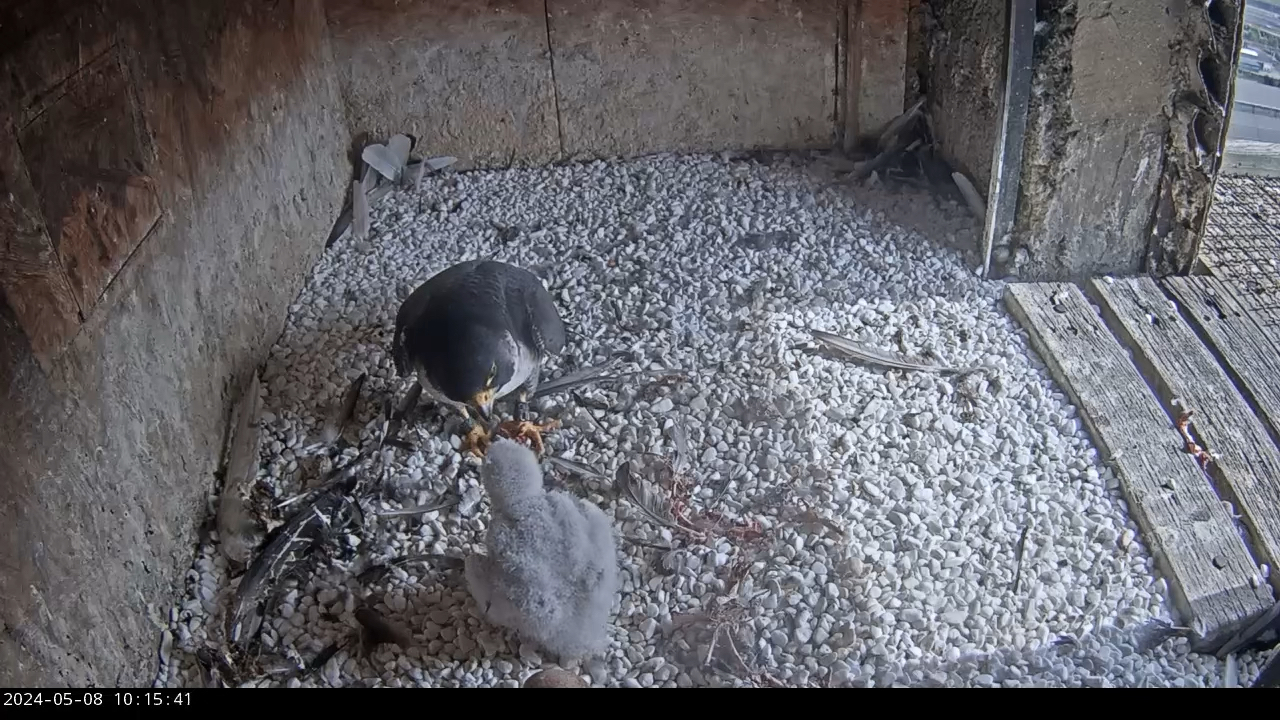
[[1212, 578], [1245, 464], [1246, 350]]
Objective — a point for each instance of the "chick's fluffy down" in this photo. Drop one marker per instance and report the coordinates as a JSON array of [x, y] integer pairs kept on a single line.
[[552, 571]]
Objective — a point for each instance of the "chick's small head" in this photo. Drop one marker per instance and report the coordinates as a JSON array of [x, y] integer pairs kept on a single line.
[[511, 473]]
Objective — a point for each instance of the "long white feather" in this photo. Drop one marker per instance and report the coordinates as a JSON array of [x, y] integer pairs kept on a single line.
[[874, 356]]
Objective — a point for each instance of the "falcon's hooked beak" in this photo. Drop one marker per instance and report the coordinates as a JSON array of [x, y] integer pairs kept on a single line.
[[483, 403]]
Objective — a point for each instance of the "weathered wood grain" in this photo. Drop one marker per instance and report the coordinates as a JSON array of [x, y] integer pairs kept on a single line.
[[1246, 464], [88, 159], [45, 47], [1248, 351], [30, 275], [1211, 576]]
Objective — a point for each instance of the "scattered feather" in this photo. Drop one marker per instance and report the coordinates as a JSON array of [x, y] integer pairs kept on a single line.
[[325, 655], [1155, 633], [341, 227], [237, 530], [811, 521], [370, 179], [398, 147], [413, 173], [681, 438], [387, 159], [341, 415], [576, 468], [448, 502], [439, 163], [350, 221], [376, 572], [1252, 634], [359, 211], [888, 137], [576, 379], [976, 204], [444, 562], [400, 444], [874, 356], [289, 547], [215, 668], [407, 404], [416, 170], [1018, 552], [639, 494], [645, 543], [281, 667]]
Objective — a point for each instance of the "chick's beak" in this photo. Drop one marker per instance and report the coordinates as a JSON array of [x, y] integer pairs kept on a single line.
[[483, 403]]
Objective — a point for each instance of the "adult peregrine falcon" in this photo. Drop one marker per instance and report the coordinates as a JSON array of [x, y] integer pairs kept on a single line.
[[474, 333]]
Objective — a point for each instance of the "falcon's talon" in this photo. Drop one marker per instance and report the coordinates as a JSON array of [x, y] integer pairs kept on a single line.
[[531, 431], [477, 440]]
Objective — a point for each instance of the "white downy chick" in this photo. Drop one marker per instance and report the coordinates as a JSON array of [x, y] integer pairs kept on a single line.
[[551, 572]]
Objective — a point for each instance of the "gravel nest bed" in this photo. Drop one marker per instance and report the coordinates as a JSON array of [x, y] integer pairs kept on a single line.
[[873, 527]]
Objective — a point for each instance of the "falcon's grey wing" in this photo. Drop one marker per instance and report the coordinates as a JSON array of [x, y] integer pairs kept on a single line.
[[541, 317], [412, 309]]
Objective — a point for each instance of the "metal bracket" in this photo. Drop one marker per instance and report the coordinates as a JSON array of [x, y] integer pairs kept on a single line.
[[1006, 160]]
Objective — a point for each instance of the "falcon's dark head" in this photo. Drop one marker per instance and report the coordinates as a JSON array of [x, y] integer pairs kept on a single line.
[[472, 366]]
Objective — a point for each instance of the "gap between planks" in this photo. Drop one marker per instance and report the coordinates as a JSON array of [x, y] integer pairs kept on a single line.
[[1246, 350], [1212, 578], [1244, 464]]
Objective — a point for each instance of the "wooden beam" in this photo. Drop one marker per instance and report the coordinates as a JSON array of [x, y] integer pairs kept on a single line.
[[1246, 465], [1245, 347], [876, 82], [1212, 578]]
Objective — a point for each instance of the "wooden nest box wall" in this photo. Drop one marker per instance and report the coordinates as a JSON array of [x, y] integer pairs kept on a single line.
[[169, 172]]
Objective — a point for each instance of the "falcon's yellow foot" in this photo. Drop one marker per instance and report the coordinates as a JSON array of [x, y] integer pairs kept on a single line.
[[477, 440], [523, 429]]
